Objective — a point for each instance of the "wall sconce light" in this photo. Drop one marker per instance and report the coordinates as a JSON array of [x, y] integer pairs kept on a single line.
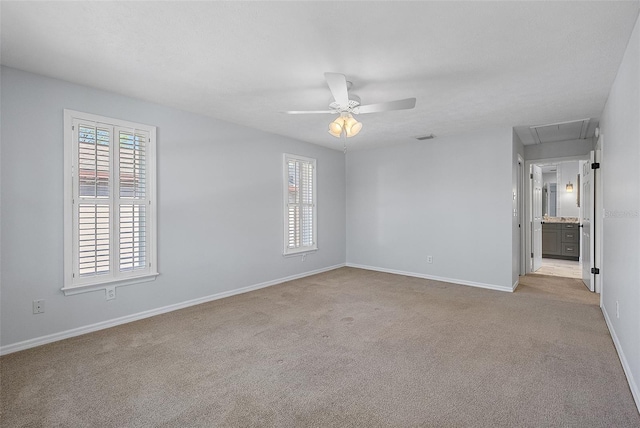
[[569, 188]]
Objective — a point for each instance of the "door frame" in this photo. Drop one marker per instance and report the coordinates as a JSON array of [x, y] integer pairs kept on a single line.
[[529, 200], [522, 171]]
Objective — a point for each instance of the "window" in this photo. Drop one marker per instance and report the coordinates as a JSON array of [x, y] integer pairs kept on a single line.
[[110, 206], [299, 204]]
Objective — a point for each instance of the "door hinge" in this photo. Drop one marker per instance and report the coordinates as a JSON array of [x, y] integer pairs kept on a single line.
[[530, 175], [595, 271], [73, 127], [531, 254], [595, 165]]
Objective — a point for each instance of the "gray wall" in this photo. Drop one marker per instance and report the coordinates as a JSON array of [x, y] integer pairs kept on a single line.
[[220, 208], [450, 198], [621, 181]]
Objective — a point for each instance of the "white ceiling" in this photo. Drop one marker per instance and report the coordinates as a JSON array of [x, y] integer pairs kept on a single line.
[[470, 65]]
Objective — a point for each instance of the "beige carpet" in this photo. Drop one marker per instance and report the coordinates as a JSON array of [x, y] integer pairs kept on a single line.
[[347, 348]]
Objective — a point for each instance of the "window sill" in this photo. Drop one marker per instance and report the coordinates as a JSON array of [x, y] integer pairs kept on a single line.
[[70, 291], [300, 252]]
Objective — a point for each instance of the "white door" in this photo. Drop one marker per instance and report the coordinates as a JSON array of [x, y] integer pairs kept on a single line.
[[586, 222], [596, 221], [536, 224]]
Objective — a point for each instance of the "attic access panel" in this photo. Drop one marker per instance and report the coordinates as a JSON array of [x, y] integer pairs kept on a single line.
[[562, 131]]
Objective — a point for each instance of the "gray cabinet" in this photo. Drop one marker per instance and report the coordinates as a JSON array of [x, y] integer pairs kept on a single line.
[[551, 239], [561, 241]]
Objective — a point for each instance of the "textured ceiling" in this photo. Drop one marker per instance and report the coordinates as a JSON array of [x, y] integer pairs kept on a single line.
[[470, 65]]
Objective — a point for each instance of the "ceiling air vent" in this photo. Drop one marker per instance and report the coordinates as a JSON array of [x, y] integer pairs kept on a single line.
[[426, 137], [561, 131]]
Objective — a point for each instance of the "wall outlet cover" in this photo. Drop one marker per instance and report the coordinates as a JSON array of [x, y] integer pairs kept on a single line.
[[38, 306]]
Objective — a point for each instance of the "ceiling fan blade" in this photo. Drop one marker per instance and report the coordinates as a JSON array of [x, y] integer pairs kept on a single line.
[[309, 111], [338, 85], [405, 104]]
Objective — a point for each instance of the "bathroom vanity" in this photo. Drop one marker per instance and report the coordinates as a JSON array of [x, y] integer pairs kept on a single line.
[[561, 238]]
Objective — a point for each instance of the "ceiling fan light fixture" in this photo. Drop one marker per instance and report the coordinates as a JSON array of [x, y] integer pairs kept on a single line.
[[335, 134], [345, 123], [336, 127], [345, 103], [352, 126]]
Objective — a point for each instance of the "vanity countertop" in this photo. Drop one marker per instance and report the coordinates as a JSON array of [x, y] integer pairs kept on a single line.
[[560, 220]]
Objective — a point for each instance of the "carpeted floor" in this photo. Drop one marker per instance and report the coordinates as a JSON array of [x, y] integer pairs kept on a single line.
[[346, 348]]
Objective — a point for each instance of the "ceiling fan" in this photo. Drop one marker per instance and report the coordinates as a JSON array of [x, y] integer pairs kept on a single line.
[[346, 105]]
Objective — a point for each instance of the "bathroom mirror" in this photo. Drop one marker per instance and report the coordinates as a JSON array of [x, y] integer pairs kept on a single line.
[[550, 200], [550, 190], [557, 201]]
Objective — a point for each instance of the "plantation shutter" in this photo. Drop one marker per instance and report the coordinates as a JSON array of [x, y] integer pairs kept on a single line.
[[132, 200], [92, 213], [293, 207], [111, 203], [300, 207], [307, 203]]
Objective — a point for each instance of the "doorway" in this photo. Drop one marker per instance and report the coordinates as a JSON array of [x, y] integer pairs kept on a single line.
[[556, 217]]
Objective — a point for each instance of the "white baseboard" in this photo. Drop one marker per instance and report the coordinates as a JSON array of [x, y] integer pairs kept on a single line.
[[435, 278], [515, 285], [31, 343], [625, 365]]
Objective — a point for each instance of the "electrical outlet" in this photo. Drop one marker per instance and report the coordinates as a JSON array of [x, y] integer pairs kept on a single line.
[[38, 306], [110, 293], [617, 310], [429, 259]]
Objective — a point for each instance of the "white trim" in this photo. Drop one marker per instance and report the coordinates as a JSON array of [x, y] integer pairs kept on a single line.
[[529, 197], [633, 386], [42, 340], [435, 278], [300, 251], [68, 198], [522, 180], [303, 253], [75, 284], [515, 285], [70, 291], [285, 200], [73, 114]]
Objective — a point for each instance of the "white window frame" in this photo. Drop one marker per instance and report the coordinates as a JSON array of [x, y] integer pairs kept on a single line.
[[301, 249], [73, 283]]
